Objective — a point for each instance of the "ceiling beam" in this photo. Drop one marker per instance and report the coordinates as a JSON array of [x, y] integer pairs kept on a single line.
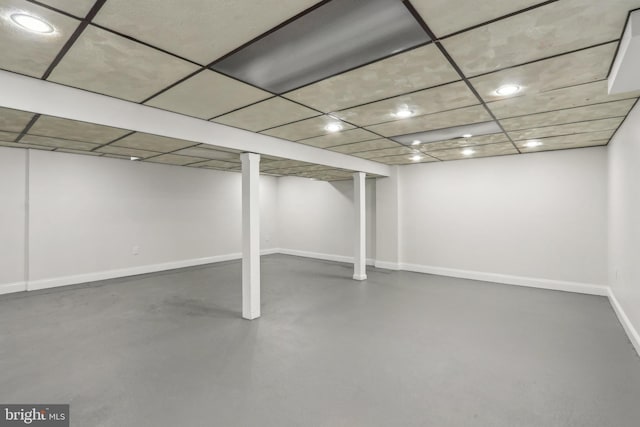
[[42, 97]]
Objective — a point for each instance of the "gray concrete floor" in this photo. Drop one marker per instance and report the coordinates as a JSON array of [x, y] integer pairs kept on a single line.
[[400, 349]]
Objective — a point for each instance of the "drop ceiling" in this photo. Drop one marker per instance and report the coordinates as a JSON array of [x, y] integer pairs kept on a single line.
[[171, 55]]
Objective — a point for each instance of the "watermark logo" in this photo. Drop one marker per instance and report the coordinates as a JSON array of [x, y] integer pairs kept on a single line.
[[34, 415]]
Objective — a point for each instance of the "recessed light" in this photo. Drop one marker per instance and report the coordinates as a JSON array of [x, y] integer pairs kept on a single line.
[[416, 158], [403, 114], [333, 127], [135, 158], [468, 152], [533, 143], [32, 23], [467, 135], [416, 142], [506, 90]]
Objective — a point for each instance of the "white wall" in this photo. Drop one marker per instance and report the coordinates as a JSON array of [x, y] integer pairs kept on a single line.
[[539, 216], [12, 215], [318, 217], [624, 218]]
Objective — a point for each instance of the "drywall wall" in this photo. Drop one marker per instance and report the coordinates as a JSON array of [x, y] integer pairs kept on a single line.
[[540, 216], [90, 214], [317, 218], [12, 219], [624, 219]]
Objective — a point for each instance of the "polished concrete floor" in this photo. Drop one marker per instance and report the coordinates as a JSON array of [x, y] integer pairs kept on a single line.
[[401, 349]]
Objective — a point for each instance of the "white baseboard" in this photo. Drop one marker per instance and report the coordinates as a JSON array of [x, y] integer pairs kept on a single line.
[[318, 255], [9, 288], [533, 282], [387, 265], [631, 331]]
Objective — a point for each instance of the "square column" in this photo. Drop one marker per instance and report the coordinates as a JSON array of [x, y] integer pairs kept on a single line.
[[250, 235], [360, 244]]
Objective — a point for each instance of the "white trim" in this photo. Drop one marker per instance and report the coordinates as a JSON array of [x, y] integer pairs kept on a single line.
[[387, 265], [359, 277], [9, 288], [631, 331], [533, 282], [323, 256]]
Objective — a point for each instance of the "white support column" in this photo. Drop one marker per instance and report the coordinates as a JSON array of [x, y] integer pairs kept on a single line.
[[250, 235], [360, 256]]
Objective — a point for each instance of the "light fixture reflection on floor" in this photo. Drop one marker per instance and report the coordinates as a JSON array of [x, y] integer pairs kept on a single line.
[[32, 23], [335, 37]]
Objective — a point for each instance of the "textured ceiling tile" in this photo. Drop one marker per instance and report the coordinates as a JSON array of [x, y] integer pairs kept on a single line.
[[23, 146], [385, 152], [200, 30], [230, 150], [174, 159], [417, 69], [464, 142], [462, 116], [549, 30], [280, 164], [27, 52], [304, 129], [567, 70], [207, 94], [106, 63], [58, 143], [489, 150], [448, 97], [13, 120], [574, 140], [567, 129], [575, 96], [72, 129], [8, 136], [149, 142], [84, 153], [404, 159], [219, 164], [78, 8], [563, 143], [570, 115], [357, 147], [340, 138], [443, 18], [124, 151], [266, 114], [208, 153]]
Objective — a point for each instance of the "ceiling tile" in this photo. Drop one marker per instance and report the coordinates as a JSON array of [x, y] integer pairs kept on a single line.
[[417, 69], [26, 52], [279, 164], [124, 151], [208, 153], [218, 164], [339, 138], [566, 70], [106, 63], [78, 8], [461, 116], [357, 147], [174, 159], [8, 136], [72, 129], [447, 97], [85, 153], [13, 120], [385, 152], [500, 149], [567, 129], [266, 114], [558, 99], [404, 159], [570, 115], [568, 141], [464, 142], [304, 129], [444, 19], [549, 30], [149, 142], [207, 94], [58, 143], [202, 30], [23, 146]]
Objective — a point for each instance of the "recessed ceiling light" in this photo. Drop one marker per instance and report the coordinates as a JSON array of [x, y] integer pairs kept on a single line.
[[533, 143], [506, 90], [416, 158], [468, 151], [135, 158], [32, 23], [467, 135], [416, 142], [444, 134], [403, 113], [333, 127]]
